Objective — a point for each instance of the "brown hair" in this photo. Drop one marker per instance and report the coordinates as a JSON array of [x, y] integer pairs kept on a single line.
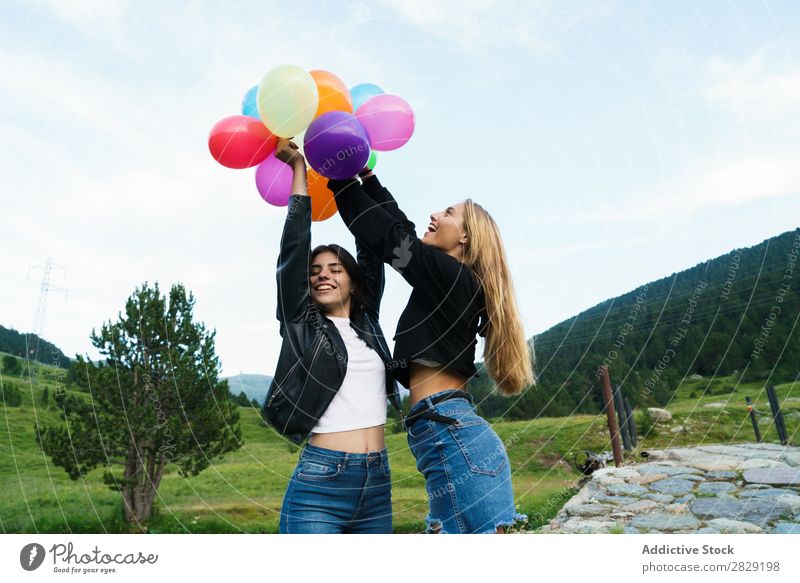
[[352, 268]]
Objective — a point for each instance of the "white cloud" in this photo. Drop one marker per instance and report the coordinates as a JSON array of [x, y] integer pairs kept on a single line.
[[476, 22], [755, 87], [730, 182]]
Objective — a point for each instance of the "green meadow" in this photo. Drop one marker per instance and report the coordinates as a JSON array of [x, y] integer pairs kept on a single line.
[[242, 492]]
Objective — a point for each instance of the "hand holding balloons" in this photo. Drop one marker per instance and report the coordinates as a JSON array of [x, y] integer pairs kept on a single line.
[[288, 152], [337, 129]]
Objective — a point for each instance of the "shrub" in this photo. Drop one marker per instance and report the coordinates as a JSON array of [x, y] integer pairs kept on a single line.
[[645, 424], [10, 395]]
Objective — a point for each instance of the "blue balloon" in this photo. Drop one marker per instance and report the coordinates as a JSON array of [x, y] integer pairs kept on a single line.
[[249, 105], [361, 93]]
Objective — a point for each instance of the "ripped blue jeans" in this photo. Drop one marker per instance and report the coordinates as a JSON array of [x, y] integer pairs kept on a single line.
[[466, 468]]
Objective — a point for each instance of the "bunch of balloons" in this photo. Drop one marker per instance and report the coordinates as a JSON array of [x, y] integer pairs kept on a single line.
[[343, 128]]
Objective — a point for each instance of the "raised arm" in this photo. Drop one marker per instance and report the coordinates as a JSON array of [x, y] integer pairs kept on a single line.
[[293, 258], [381, 195], [388, 236], [374, 279]]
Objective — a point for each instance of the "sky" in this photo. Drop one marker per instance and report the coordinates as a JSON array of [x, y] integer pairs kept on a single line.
[[614, 143]]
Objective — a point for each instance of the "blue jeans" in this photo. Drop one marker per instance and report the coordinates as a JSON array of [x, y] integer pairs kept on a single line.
[[338, 492], [466, 468]]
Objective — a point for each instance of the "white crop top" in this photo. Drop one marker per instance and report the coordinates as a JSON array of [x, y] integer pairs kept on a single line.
[[361, 400]]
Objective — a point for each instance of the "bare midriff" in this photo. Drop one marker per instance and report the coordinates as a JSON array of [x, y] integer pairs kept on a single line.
[[368, 439], [427, 380]]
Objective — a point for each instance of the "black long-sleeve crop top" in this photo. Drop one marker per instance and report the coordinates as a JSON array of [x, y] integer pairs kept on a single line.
[[446, 310]]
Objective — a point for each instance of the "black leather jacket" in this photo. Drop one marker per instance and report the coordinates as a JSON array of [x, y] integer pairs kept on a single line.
[[313, 358]]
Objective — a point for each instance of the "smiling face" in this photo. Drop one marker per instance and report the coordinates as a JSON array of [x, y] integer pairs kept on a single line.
[[331, 287], [446, 230]]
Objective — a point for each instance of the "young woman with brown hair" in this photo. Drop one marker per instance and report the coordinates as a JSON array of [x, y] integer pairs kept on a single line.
[[331, 383]]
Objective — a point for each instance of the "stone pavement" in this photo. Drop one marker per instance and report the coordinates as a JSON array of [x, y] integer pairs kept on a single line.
[[739, 488]]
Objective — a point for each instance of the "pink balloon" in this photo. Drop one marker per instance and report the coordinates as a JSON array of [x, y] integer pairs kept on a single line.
[[274, 181], [389, 121]]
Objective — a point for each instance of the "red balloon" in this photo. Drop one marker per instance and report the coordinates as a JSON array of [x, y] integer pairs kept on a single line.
[[240, 141]]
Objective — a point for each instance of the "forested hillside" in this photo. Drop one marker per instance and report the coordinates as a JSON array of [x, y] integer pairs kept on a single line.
[[735, 314]]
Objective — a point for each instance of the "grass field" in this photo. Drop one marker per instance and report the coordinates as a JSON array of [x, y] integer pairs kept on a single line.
[[243, 491]]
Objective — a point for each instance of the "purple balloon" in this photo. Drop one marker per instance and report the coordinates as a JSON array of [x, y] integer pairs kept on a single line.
[[336, 145], [274, 181]]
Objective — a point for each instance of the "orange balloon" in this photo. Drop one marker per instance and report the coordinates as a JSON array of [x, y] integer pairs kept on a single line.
[[323, 203], [333, 93]]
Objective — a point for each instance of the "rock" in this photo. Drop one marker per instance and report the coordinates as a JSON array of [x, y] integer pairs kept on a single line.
[[695, 377], [790, 502], [665, 521], [755, 463], [715, 487], [692, 477], [677, 429], [672, 486], [663, 498], [786, 528], [720, 475], [768, 446], [659, 415], [627, 489], [577, 525], [754, 511], [774, 476], [710, 462], [745, 450], [650, 478], [659, 495], [670, 470], [588, 509], [771, 464], [792, 459], [612, 499], [640, 506], [582, 497], [606, 481], [621, 473], [756, 487], [728, 526], [767, 493]]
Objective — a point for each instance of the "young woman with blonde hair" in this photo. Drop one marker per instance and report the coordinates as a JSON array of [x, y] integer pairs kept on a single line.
[[462, 288]]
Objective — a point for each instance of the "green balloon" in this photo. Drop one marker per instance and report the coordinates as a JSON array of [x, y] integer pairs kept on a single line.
[[373, 158]]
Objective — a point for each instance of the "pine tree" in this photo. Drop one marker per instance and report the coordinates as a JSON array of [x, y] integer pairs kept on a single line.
[[157, 400]]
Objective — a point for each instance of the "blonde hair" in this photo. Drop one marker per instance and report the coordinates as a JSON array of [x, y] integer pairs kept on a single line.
[[506, 356]]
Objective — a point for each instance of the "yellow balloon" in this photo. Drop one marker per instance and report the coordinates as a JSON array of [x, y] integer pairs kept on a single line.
[[287, 100]]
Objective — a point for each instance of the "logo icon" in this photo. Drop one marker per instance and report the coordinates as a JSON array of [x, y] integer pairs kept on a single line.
[[31, 556], [402, 254]]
